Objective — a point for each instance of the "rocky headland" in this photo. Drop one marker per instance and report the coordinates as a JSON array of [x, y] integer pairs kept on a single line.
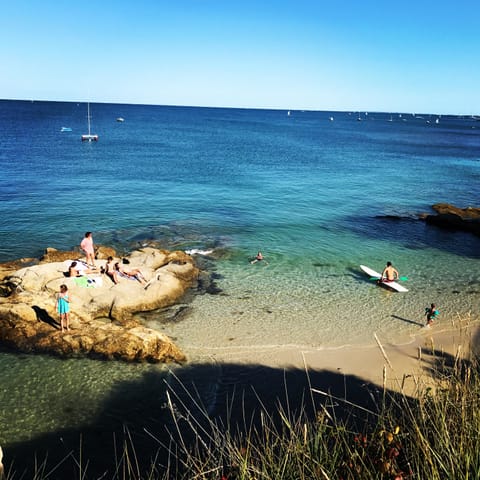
[[444, 215], [454, 218], [102, 313]]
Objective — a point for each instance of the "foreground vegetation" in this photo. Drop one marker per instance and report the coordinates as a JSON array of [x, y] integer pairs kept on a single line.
[[435, 435]]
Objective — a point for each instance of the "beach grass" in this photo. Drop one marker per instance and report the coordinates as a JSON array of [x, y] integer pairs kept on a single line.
[[433, 434]]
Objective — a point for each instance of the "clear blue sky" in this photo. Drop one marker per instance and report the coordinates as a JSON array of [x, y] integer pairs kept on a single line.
[[408, 56]]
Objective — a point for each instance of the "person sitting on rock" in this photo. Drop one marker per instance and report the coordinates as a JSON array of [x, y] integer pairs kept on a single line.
[[110, 270], [134, 274]]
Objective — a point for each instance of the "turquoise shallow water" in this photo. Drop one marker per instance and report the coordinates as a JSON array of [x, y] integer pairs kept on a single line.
[[317, 197], [42, 394]]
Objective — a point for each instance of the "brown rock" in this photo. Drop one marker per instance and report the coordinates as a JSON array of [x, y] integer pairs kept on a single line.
[[454, 218], [8, 268], [29, 322], [54, 255], [102, 252], [468, 213]]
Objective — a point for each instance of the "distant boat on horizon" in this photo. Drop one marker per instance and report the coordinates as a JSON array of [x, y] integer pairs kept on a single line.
[[65, 129], [89, 137], [120, 119]]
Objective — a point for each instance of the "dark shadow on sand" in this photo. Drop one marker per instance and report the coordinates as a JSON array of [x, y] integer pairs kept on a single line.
[[233, 396], [440, 364], [227, 394], [413, 322]]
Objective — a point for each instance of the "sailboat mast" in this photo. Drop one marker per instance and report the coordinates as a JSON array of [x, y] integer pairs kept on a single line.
[[89, 137], [88, 117]]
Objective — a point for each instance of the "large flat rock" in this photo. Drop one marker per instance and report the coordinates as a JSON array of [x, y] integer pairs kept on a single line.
[[102, 313]]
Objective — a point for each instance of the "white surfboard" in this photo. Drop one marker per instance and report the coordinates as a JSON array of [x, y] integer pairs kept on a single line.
[[393, 285]]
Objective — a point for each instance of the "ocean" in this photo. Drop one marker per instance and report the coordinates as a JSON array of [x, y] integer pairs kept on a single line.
[[318, 193]]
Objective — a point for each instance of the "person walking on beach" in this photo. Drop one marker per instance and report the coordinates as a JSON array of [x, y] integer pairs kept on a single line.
[[431, 314], [87, 246], [62, 305], [389, 273]]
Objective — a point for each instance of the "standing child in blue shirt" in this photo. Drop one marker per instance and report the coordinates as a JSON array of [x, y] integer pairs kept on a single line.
[[63, 307]]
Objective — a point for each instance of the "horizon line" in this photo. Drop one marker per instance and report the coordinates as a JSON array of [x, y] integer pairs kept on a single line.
[[365, 111]]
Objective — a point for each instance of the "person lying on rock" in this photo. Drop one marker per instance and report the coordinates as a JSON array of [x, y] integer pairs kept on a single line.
[[134, 274], [79, 269]]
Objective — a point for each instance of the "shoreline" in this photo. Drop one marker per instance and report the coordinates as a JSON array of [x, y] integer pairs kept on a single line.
[[380, 361], [405, 367]]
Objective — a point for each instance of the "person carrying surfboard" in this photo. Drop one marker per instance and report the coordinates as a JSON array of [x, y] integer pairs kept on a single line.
[[390, 273]]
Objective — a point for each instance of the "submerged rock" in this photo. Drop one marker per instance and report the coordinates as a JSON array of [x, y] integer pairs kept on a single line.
[[101, 314]]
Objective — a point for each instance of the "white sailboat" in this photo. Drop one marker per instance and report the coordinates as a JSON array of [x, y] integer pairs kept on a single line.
[[89, 137]]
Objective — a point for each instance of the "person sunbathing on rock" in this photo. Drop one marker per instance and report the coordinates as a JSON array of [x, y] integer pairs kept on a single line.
[[110, 270], [134, 274], [79, 269]]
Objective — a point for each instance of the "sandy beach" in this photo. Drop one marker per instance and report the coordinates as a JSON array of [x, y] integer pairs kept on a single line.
[[403, 367]]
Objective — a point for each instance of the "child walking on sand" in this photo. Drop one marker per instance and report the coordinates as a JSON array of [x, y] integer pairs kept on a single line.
[[63, 307], [431, 314]]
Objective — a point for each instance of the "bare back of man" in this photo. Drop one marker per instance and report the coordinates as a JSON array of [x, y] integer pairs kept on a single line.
[[390, 273]]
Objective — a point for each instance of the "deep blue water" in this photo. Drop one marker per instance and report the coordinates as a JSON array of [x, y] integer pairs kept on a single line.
[[318, 197], [221, 172]]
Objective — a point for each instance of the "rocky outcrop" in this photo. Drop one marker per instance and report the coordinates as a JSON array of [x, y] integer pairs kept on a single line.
[[102, 313], [54, 255], [454, 218]]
